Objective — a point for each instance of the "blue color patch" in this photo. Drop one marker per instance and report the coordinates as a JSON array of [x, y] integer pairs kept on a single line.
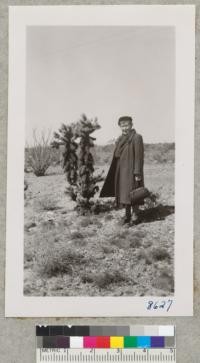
[[144, 342]]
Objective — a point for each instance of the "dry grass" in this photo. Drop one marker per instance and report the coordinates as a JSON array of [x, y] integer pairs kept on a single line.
[[94, 255], [56, 258], [103, 279], [47, 203]]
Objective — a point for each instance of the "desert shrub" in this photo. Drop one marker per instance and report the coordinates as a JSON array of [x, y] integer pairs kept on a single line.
[[102, 206], [108, 217], [135, 242], [29, 255], [160, 157], [76, 235], [86, 277], [144, 255], [159, 253], [164, 281], [57, 259], [107, 249], [47, 203], [85, 221], [105, 278], [39, 156], [160, 153]]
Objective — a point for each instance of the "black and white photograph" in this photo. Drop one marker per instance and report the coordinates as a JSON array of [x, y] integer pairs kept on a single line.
[[99, 161], [101, 153]]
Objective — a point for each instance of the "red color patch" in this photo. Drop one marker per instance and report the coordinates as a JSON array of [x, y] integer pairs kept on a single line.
[[103, 342]]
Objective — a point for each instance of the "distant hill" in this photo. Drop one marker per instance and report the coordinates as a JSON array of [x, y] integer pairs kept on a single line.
[[154, 153]]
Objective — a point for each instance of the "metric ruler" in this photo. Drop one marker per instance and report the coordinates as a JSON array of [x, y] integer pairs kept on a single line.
[[106, 355], [107, 344]]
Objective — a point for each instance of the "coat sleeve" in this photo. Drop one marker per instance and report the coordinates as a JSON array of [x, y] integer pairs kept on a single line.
[[139, 155]]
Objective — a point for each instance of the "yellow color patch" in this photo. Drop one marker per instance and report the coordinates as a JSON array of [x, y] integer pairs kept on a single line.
[[116, 342]]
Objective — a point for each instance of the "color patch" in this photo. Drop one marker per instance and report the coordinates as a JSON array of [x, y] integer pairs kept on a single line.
[[76, 342], [103, 342], [42, 331], [103, 331], [130, 342], [39, 342], [151, 330], [169, 342], [136, 330], [49, 342], [166, 330], [157, 342], [116, 342], [62, 342], [56, 330], [122, 331], [143, 342], [77, 331], [89, 342]]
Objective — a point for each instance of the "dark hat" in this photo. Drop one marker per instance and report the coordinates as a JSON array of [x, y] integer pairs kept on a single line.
[[125, 118]]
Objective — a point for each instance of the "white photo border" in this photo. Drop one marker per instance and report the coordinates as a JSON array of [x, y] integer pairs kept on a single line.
[[182, 17]]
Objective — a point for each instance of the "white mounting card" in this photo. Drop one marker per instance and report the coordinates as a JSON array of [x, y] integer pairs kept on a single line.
[[104, 61]]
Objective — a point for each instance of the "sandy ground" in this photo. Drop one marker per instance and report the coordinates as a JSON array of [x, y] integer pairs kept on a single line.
[[70, 255]]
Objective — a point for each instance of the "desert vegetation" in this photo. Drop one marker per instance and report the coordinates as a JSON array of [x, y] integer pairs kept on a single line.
[[39, 156], [69, 253]]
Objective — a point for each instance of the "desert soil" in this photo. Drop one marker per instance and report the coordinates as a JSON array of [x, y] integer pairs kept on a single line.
[[95, 255]]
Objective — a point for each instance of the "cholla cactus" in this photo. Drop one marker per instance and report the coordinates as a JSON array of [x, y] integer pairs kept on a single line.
[[87, 180], [66, 137], [78, 161]]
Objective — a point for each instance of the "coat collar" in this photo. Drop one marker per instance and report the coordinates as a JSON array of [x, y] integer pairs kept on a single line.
[[132, 134]]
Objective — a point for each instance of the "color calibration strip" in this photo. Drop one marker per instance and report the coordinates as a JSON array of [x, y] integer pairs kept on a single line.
[[110, 337]]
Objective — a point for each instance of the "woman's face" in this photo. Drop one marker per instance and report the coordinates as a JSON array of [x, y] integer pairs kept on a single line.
[[125, 126]]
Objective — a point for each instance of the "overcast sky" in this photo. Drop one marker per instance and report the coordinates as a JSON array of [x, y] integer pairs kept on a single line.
[[104, 72]]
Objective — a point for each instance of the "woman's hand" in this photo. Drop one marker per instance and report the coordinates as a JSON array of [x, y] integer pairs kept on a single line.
[[138, 180]]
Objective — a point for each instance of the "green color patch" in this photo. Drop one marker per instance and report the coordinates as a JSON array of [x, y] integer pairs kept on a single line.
[[130, 342]]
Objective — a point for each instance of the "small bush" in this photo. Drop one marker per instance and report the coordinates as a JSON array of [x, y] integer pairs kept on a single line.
[[135, 242], [39, 156], [103, 279], [47, 203], [159, 253], [58, 260], [86, 278], [165, 276], [144, 255], [108, 217], [121, 243], [76, 235], [101, 206], [164, 282], [29, 256], [107, 249], [85, 221]]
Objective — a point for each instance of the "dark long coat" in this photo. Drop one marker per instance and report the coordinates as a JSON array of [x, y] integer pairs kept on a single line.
[[120, 180]]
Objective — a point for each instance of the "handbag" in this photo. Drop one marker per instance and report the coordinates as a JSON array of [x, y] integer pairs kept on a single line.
[[139, 194]]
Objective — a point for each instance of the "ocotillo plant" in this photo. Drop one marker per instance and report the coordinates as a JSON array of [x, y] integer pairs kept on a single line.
[[86, 181], [65, 136], [39, 156]]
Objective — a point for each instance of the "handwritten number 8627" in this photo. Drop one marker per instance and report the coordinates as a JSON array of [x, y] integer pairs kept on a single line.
[[162, 304]]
